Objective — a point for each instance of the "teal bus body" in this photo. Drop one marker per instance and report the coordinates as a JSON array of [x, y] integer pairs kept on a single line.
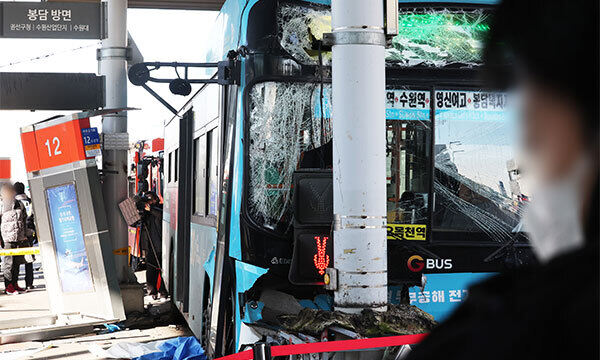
[[192, 219]]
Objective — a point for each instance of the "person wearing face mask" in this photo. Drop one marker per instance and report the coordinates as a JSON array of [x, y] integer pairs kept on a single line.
[[549, 50]]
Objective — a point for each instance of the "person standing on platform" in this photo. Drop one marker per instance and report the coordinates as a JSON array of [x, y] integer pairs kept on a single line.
[[13, 218], [29, 232], [151, 211]]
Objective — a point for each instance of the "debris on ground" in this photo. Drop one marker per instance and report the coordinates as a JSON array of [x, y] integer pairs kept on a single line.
[[77, 347], [110, 328], [397, 320], [179, 348]]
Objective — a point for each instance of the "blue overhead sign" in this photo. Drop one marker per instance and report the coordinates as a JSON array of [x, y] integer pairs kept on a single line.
[[90, 136], [402, 104]]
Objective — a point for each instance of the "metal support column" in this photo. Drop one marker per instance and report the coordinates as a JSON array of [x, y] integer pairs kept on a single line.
[[359, 162], [112, 62]]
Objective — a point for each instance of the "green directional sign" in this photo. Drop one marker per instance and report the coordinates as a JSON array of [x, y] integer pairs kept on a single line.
[[52, 20]]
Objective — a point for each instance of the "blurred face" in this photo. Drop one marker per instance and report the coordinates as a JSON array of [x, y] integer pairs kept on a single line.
[[558, 164], [553, 137], [7, 193]]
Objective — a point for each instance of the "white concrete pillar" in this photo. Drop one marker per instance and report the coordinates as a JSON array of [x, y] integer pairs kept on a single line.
[[359, 162]]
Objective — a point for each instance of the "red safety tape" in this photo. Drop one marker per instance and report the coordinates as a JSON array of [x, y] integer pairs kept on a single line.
[[244, 355], [342, 345], [330, 346]]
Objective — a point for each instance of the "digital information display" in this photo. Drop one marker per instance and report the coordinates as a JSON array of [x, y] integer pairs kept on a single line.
[[73, 267], [407, 105], [455, 105]]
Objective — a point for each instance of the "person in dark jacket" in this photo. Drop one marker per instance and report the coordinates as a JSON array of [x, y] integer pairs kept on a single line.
[[151, 243], [549, 310], [30, 232], [13, 217]]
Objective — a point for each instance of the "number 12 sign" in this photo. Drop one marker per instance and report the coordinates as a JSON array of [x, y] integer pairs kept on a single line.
[[54, 143]]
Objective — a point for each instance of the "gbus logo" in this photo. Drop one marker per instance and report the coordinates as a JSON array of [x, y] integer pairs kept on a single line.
[[416, 263]]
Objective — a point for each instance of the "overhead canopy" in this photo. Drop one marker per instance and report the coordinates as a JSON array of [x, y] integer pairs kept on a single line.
[[177, 4], [167, 4]]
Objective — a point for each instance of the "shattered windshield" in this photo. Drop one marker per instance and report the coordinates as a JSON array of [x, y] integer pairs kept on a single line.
[[433, 37], [286, 121], [439, 37], [299, 29], [476, 183]]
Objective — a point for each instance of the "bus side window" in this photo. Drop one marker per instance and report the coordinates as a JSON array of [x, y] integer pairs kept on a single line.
[[200, 175], [212, 166], [169, 168], [176, 167]]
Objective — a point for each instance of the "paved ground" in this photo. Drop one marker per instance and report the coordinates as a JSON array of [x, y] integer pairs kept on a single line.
[[77, 348], [35, 303], [31, 304]]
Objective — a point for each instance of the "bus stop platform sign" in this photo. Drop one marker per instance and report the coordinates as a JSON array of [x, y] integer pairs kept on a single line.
[[75, 244], [91, 142], [52, 20]]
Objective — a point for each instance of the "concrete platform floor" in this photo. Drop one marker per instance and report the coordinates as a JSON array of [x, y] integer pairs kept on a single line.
[[77, 348], [35, 303], [30, 304]]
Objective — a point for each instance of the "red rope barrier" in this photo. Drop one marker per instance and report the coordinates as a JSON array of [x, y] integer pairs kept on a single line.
[[342, 345], [244, 355], [331, 346]]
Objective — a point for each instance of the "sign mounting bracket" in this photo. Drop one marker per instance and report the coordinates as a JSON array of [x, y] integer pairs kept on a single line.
[[227, 74]]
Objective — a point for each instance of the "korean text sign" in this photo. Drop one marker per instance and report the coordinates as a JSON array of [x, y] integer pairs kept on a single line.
[[55, 20], [442, 294], [91, 142]]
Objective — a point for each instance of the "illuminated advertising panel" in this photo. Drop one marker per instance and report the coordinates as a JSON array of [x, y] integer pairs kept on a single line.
[[67, 233]]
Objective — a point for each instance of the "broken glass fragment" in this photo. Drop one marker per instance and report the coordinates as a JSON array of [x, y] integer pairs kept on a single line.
[[285, 121], [432, 37]]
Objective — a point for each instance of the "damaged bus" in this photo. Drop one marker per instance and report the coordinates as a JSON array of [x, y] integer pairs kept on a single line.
[[248, 186]]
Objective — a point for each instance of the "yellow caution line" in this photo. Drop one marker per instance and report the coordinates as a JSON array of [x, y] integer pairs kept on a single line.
[[20, 251]]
